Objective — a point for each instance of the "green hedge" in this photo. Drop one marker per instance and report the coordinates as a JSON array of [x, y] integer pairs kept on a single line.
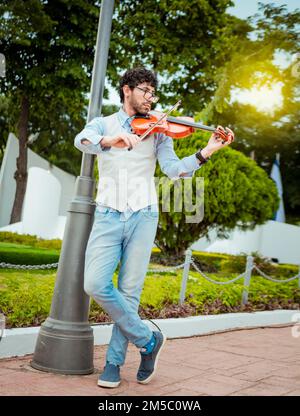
[[38, 251], [210, 262], [25, 296], [30, 240], [228, 264], [27, 255], [237, 264]]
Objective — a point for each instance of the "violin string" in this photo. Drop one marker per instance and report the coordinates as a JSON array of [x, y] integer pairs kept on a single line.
[[160, 119]]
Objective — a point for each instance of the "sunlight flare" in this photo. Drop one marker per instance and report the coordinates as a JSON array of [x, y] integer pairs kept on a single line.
[[265, 98]]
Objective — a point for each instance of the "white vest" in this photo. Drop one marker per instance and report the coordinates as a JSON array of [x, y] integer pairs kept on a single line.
[[126, 177]]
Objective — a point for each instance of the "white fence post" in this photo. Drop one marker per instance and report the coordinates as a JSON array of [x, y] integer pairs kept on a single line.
[[185, 274], [247, 278]]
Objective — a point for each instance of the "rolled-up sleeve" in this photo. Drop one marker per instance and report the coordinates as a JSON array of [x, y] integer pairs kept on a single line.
[[93, 131], [170, 163]]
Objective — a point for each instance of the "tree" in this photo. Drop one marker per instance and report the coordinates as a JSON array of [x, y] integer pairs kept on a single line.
[[276, 30], [237, 192], [4, 123], [196, 62], [264, 135], [48, 48], [186, 42]]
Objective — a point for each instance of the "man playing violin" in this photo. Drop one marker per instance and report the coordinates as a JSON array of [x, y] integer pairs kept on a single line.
[[126, 217]]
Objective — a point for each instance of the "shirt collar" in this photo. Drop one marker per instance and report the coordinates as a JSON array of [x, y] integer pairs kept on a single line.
[[124, 117]]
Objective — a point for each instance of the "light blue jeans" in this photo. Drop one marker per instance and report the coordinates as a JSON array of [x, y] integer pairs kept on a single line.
[[112, 240]]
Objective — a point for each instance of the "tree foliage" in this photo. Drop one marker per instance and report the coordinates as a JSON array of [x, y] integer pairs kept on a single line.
[[185, 41], [275, 31], [237, 192], [49, 48], [199, 51]]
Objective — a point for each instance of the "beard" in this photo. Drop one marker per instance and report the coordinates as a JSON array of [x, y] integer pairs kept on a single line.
[[140, 108]]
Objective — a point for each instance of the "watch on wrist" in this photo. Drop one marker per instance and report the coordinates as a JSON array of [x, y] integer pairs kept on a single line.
[[201, 158]]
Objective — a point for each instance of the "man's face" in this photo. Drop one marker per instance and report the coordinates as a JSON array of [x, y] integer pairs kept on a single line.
[[140, 98]]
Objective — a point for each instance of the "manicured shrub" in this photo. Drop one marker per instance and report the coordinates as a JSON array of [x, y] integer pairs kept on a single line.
[[27, 255], [25, 296], [210, 262], [30, 240]]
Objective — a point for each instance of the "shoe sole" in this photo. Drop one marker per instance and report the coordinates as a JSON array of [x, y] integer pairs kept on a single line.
[[147, 380], [110, 384]]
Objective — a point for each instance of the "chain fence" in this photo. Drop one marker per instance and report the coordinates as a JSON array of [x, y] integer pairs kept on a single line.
[[247, 274], [28, 267], [189, 261], [272, 278], [166, 269], [55, 265], [215, 281]]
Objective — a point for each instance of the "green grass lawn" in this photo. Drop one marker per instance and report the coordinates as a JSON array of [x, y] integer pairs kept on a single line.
[[26, 248], [25, 296], [24, 254]]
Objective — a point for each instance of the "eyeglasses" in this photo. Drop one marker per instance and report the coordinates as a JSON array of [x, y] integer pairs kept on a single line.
[[148, 95]]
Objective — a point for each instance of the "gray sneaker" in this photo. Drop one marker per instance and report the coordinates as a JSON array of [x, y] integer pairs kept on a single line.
[[110, 376], [149, 361]]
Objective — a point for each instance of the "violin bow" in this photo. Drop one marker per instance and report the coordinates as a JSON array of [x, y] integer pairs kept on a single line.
[[164, 115], [182, 122]]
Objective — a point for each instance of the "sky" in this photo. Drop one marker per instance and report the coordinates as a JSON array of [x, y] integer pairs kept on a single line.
[[246, 8], [242, 9]]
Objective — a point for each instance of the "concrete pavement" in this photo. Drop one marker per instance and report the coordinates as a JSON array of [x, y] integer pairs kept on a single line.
[[250, 362]]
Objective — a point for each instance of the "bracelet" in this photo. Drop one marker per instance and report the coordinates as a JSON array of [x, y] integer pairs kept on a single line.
[[201, 158]]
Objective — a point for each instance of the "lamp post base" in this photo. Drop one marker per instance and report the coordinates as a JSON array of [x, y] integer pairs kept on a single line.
[[64, 347]]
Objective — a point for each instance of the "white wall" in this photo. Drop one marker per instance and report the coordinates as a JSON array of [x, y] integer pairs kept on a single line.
[[8, 183], [273, 239]]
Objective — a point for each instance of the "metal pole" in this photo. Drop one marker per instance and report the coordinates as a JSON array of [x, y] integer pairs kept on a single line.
[[66, 343], [185, 274], [249, 266]]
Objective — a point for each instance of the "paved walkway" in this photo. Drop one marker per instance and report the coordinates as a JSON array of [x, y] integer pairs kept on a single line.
[[264, 362]]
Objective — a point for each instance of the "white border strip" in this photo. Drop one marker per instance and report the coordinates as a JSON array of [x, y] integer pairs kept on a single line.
[[21, 341]]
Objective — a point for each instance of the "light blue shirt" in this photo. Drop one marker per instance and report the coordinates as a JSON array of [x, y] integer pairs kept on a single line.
[[169, 162]]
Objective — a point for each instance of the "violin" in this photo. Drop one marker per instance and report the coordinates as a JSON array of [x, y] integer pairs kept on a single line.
[[174, 127]]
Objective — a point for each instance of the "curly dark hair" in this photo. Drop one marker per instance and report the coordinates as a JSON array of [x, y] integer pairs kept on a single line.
[[135, 76]]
